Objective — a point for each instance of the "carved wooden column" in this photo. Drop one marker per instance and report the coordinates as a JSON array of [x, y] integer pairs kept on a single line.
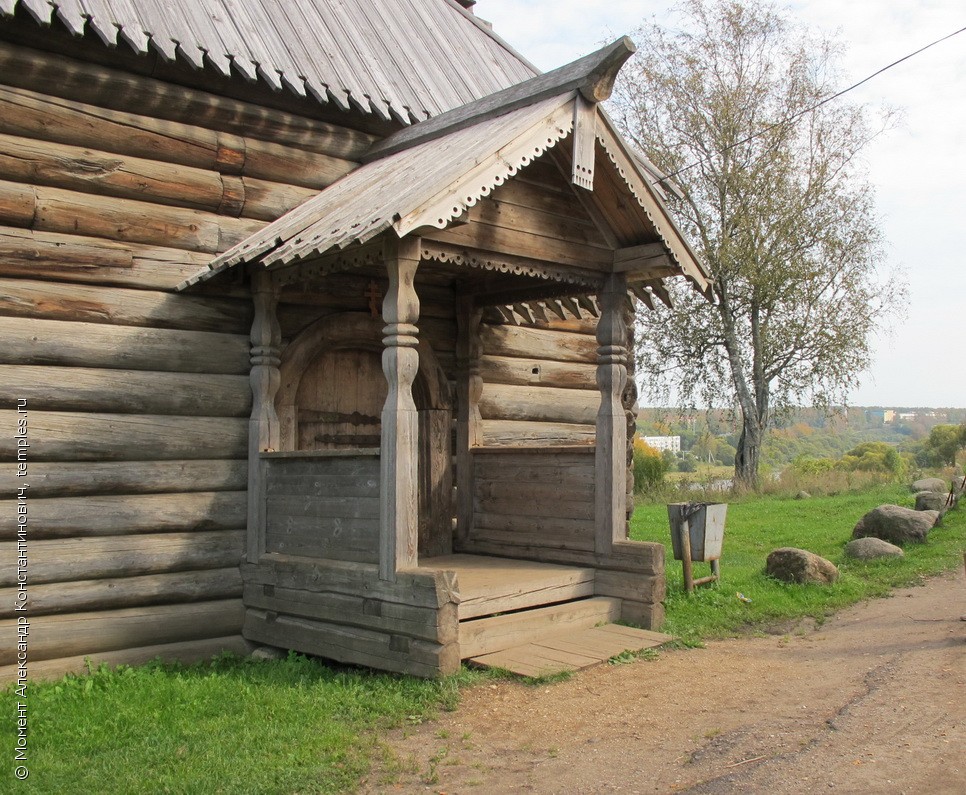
[[399, 497], [263, 426], [468, 424], [610, 462], [629, 401]]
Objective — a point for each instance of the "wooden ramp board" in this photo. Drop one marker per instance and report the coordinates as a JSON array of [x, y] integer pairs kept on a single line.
[[572, 651]]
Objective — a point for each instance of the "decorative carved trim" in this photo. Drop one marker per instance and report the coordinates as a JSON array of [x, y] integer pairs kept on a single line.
[[347, 259], [485, 260], [503, 165]]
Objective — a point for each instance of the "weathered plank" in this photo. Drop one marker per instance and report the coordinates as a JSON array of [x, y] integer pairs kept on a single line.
[[519, 341], [187, 652], [426, 623], [135, 591], [74, 634], [78, 478], [497, 585], [418, 587], [631, 585], [538, 372], [511, 433], [69, 436], [539, 404], [57, 76], [125, 391], [487, 635], [63, 517], [385, 651], [527, 508], [62, 343], [89, 260], [75, 559], [633, 556], [66, 211]]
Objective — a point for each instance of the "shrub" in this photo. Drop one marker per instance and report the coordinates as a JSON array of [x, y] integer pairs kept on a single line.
[[649, 467]]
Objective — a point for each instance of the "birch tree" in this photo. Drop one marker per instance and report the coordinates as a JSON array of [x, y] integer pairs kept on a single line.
[[774, 197]]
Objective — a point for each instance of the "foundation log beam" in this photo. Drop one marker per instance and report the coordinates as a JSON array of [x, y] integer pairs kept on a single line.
[[398, 520]]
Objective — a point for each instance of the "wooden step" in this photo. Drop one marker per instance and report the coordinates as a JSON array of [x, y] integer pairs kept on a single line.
[[495, 633], [489, 585], [571, 651]]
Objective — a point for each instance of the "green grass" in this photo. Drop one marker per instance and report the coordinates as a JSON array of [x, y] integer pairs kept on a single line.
[[229, 726], [297, 726], [757, 525]]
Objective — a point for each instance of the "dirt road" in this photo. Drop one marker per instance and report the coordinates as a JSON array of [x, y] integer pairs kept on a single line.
[[873, 701]]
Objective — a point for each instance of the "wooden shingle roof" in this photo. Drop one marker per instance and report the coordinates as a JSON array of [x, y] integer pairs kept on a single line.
[[401, 59]]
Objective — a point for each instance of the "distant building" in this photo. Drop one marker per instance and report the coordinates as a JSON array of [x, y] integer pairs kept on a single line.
[[672, 443], [907, 415], [882, 415]]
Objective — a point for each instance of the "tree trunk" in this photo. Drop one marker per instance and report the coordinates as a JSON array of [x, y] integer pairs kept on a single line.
[[749, 454]]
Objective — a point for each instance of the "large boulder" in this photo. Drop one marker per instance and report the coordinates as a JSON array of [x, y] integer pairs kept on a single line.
[[931, 501], [931, 484], [800, 566], [896, 524], [870, 548]]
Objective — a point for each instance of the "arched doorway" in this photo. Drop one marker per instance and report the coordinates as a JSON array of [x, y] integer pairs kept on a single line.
[[331, 397]]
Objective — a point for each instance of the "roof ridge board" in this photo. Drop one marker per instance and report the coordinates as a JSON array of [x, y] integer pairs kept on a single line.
[[592, 75]]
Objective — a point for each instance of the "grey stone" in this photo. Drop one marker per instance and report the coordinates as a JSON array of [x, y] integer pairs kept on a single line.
[[896, 524], [269, 653], [800, 566], [931, 484], [931, 501], [869, 548]]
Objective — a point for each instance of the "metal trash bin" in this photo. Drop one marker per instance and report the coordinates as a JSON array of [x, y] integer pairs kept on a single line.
[[697, 534]]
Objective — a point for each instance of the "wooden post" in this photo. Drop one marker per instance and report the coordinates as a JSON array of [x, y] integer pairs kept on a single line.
[[399, 489], [263, 425], [610, 461], [468, 425]]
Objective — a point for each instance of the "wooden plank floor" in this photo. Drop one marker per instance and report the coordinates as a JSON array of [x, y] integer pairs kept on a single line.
[[572, 651], [489, 585]]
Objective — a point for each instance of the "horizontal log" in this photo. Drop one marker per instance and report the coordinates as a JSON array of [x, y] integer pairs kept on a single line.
[[538, 491], [66, 211], [427, 623], [539, 404], [524, 508], [631, 585], [67, 121], [125, 391], [524, 244], [634, 556], [648, 615], [59, 76], [53, 342], [418, 587], [73, 436], [120, 306], [549, 526], [74, 634], [521, 538], [89, 260], [111, 594], [90, 170], [78, 478], [380, 650], [75, 559], [523, 342], [537, 222], [534, 372], [188, 652], [64, 517], [510, 433]]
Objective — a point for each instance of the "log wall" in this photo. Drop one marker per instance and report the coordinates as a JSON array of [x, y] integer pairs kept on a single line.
[[137, 397], [539, 384]]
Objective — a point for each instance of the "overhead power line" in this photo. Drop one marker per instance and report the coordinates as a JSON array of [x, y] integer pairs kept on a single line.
[[817, 105]]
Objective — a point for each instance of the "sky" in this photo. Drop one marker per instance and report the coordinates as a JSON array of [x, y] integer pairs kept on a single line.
[[918, 168]]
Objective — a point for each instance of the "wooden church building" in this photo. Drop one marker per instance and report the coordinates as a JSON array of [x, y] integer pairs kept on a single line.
[[314, 320]]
